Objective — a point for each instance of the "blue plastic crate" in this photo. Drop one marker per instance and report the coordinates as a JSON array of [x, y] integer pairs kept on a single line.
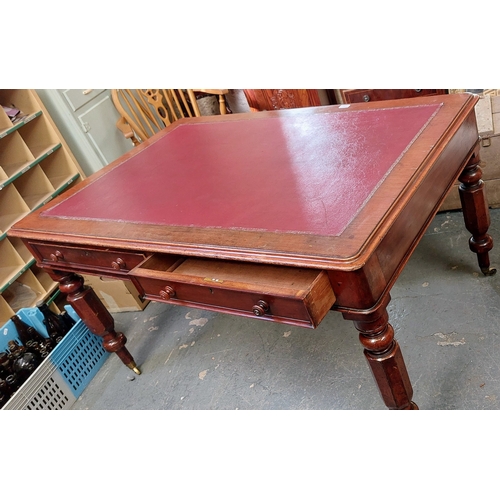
[[64, 374], [80, 358]]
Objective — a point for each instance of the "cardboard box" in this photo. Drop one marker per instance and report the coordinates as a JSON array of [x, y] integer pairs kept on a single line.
[[116, 295]]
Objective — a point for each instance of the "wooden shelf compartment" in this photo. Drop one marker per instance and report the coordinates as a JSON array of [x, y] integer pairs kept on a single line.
[[36, 165], [12, 207], [5, 123], [48, 284], [57, 301], [59, 169], [22, 100], [6, 312], [39, 136], [22, 250], [25, 291], [34, 187], [14, 166], [51, 293], [12, 128], [12, 263], [15, 155]]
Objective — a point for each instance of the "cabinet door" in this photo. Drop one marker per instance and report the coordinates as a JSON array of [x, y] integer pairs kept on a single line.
[[87, 120], [97, 116], [98, 121]]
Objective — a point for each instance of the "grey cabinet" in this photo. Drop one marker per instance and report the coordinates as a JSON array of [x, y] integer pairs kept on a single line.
[[87, 120]]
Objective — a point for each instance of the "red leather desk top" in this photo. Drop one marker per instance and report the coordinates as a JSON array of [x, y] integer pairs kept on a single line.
[[308, 173]]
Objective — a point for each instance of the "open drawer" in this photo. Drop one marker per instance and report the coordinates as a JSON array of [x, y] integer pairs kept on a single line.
[[282, 294]]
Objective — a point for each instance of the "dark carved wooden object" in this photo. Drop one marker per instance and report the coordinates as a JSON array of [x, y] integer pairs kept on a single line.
[[270, 99]]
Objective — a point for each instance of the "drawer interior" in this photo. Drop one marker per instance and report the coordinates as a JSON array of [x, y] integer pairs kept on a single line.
[[259, 277]]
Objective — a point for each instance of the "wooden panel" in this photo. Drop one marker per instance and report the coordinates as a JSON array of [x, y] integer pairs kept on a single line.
[[269, 99]]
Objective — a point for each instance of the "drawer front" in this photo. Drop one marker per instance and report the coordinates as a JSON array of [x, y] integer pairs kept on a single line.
[[90, 259], [237, 302], [297, 297], [368, 95], [77, 98]]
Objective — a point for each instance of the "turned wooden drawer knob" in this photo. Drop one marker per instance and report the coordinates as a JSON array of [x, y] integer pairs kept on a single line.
[[118, 264], [260, 308], [56, 256], [167, 293]]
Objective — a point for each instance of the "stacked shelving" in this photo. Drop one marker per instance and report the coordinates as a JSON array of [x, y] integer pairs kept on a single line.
[[35, 166]]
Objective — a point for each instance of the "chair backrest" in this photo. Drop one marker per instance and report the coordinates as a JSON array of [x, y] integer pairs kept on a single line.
[[143, 113]]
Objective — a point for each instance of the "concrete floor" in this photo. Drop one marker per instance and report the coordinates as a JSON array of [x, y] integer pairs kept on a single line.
[[445, 313]]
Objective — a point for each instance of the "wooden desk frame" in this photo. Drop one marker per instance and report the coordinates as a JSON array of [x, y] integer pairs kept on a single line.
[[352, 273]]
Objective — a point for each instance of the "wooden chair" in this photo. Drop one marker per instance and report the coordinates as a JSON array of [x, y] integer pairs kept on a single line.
[[144, 113]]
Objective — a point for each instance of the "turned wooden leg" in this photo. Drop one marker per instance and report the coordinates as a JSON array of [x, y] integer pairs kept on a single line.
[[476, 213], [384, 357], [95, 316]]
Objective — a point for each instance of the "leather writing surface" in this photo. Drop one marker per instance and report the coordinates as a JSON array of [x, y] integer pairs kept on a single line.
[[298, 173]]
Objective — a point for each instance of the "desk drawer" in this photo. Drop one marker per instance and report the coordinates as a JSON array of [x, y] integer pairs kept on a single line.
[[81, 258], [369, 95], [282, 294]]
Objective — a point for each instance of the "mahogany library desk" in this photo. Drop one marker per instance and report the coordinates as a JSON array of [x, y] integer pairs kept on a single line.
[[280, 215]]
